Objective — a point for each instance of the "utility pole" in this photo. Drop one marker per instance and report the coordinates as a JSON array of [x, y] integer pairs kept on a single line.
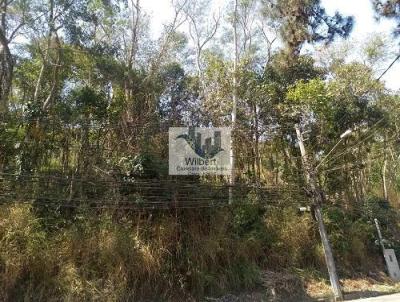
[[317, 193]]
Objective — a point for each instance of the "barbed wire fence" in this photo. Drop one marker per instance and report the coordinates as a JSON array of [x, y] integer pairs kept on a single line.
[[133, 193]]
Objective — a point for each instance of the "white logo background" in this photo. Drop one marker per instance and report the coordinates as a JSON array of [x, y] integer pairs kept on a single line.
[[212, 146]]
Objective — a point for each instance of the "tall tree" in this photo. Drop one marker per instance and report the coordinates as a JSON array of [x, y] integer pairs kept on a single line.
[[14, 15], [306, 21]]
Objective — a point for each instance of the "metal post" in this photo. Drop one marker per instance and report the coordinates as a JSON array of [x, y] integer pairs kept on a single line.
[[380, 235]]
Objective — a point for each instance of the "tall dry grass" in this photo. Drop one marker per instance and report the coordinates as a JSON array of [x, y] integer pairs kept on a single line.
[[120, 257], [159, 256]]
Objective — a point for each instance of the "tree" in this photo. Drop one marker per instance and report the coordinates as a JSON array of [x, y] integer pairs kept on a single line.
[[388, 9], [201, 30], [14, 16], [306, 21]]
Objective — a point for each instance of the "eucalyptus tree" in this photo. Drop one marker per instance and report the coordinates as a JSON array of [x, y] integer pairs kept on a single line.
[[14, 16], [203, 25], [349, 100]]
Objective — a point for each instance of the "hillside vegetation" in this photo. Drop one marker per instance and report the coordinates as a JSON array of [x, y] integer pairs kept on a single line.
[[88, 92]]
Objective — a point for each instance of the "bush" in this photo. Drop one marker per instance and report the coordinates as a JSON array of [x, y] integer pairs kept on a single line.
[[113, 257], [182, 254]]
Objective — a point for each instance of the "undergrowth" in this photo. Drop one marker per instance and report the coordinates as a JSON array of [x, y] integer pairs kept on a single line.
[[176, 255]]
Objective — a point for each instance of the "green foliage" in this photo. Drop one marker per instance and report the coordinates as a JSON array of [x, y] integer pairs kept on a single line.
[[353, 233], [141, 166], [314, 97], [102, 258], [248, 219], [306, 21], [86, 120], [88, 103]]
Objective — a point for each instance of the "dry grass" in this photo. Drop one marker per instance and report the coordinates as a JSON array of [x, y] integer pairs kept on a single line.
[[354, 287], [161, 256], [113, 257]]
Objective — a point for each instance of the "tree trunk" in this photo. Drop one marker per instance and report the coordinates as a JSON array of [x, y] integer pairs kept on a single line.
[[384, 184], [55, 78], [234, 105], [384, 167], [257, 146], [6, 72]]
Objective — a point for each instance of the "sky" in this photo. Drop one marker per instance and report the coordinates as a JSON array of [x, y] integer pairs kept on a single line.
[[365, 25]]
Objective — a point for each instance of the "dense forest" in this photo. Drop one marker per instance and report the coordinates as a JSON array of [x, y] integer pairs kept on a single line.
[[87, 95]]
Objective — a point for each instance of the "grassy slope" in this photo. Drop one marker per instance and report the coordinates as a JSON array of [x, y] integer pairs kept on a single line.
[[160, 256]]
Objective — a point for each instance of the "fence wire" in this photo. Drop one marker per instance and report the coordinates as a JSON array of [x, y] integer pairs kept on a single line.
[[138, 193]]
